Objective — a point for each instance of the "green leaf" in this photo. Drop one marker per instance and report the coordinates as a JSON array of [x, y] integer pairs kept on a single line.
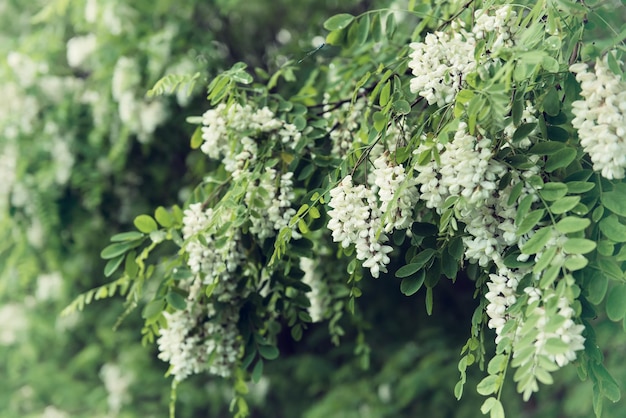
[[574, 187], [565, 204], [127, 236], [153, 309], [616, 303], [113, 265], [411, 284], [339, 21], [597, 286], [544, 261], [488, 405], [553, 191], [257, 372], [385, 93], [560, 159], [362, 29], [608, 385], [497, 364], [390, 25], [130, 266], [530, 221], [401, 107], [549, 276], [176, 300], [497, 410], [145, 223], [380, 121], [572, 224], [429, 300], [579, 246], [163, 217], [537, 241], [523, 208], [610, 268], [423, 257], [269, 352], [613, 229], [516, 191], [196, 138], [551, 102], [575, 262], [556, 346], [408, 270], [488, 385], [615, 200], [523, 131], [546, 148], [114, 250]]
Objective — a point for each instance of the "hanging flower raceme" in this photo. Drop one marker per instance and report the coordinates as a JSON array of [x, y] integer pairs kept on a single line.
[[229, 133], [363, 215], [443, 60], [600, 117]]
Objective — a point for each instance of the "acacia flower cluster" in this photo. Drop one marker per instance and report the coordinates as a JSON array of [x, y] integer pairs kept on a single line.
[[363, 215], [442, 61], [229, 133], [396, 192], [440, 65], [346, 120], [270, 216], [498, 28], [600, 117], [206, 329], [355, 219]]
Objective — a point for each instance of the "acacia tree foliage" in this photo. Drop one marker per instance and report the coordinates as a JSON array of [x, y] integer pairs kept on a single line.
[[465, 148]]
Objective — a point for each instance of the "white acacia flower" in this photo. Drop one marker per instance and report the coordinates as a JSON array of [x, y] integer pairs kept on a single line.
[[318, 296], [230, 133], [440, 64], [355, 219], [397, 194], [277, 211], [600, 117], [79, 48]]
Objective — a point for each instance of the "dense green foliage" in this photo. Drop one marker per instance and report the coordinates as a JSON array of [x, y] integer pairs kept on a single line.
[[364, 216]]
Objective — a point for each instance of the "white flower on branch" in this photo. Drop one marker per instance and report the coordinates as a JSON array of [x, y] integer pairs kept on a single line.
[[600, 117], [397, 193], [440, 65], [355, 219]]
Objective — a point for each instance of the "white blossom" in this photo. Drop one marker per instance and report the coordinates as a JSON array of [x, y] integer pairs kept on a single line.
[[345, 120], [14, 323], [276, 211], [49, 286], [198, 333], [229, 133], [318, 296], [600, 117], [500, 27], [79, 48], [397, 193], [25, 68], [355, 219], [126, 77], [52, 411], [116, 381], [91, 11], [440, 65], [501, 296]]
